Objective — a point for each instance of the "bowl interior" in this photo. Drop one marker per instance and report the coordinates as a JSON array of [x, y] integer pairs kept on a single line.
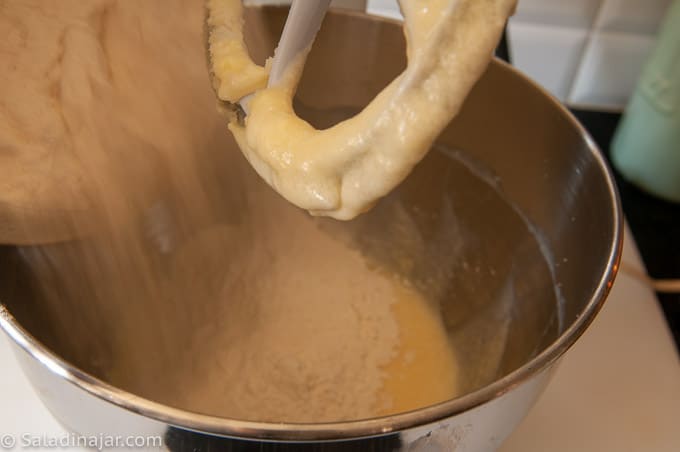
[[508, 225]]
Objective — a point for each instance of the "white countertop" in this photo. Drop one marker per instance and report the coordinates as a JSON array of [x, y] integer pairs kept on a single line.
[[617, 389]]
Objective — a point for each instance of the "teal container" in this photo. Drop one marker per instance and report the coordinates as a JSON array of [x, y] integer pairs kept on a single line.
[[646, 147]]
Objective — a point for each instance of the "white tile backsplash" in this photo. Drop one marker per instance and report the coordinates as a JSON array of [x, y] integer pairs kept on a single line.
[[535, 48], [619, 35], [610, 69], [386, 8], [565, 13], [632, 16]]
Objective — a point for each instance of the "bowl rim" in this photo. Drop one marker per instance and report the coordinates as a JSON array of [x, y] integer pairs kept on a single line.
[[363, 428]]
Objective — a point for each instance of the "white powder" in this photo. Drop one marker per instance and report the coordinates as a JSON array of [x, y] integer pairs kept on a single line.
[[305, 338]]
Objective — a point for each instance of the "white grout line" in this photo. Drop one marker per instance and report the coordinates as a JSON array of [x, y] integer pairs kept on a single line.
[[589, 43]]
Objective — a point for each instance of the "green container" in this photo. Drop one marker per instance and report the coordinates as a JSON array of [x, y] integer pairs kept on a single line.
[[646, 147]]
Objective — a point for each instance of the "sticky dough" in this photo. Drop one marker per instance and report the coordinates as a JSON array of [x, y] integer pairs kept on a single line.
[[342, 171]]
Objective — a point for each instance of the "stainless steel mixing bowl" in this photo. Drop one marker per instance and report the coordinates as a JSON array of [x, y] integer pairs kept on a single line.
[[512, 223]]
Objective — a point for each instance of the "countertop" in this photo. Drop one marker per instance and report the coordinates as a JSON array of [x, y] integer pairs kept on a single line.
[[618, 388]]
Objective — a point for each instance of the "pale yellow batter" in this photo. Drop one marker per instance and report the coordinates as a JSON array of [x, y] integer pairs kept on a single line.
[[342, 171], [424, 370]]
